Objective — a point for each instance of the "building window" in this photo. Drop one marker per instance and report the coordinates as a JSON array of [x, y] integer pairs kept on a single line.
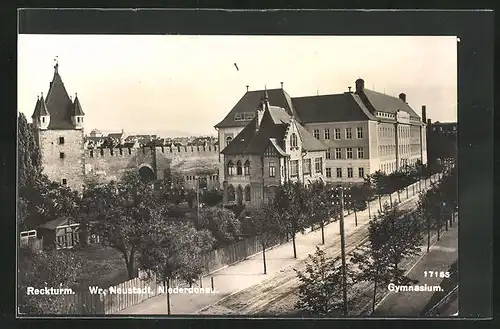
[[272, 169], [349, 172], [64, 181], [228, 140], [307, 166], [230, 168], [316, 133], [293, 141], [339, 172], [239, 168], [318, 165], [329, 172], [338, 153], [359, 132], [294, 167], [361, 172], [43, 119], [328, 155], [247, 193], [327, 133], [337, 133], [247, 168], [231, 195], [91, 153], [349, 153], [361, 152], [348, 133], [61, 140], [61, 155]]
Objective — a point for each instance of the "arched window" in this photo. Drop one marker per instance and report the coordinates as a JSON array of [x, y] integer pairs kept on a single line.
[[230, 193], [239, 168], [293, 140], [230, 168], [246, 167], [247, 193], [239, 194], [228, 140]]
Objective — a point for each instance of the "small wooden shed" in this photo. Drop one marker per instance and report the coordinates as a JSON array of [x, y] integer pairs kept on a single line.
[[61, 233]]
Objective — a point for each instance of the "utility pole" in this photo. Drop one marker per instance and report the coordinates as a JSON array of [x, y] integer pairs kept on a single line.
[[342, 248], [198, 197]]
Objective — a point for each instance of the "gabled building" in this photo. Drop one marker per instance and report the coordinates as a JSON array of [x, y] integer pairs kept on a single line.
[[58, 122], [271, 149], [363, 130]]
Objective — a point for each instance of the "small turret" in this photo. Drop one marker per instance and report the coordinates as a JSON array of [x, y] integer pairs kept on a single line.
[[41, 117], [77, 114]]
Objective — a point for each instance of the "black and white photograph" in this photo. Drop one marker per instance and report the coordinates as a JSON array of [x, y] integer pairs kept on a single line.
[[237, 175]]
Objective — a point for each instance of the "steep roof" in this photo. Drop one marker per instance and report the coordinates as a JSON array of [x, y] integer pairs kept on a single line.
[[309, 142], [331, 108], [251, 101], [77, 108], [116, 135], [386, 103], [275, 122], [59, 104], [40, 108]]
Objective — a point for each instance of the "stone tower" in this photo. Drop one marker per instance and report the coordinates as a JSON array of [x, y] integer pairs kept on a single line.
[[58, 122]]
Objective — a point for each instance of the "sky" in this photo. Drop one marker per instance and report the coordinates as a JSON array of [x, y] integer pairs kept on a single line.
[[178, 84]]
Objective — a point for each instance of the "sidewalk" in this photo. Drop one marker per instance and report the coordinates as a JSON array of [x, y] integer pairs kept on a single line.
[[440, 257], [247, 273]]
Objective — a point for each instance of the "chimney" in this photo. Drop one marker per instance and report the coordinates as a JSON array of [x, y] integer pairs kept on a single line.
[[247, 87], [402, 97], [281, 85], [424, 114], [360, 85], [349, 88]]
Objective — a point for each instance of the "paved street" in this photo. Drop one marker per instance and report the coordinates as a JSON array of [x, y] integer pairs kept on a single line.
[[440, 257], [247, 273]]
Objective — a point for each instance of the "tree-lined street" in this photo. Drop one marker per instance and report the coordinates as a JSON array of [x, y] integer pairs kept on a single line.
[[242, 277]]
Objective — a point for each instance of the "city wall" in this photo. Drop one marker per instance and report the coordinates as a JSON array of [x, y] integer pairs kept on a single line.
[[110, 164]]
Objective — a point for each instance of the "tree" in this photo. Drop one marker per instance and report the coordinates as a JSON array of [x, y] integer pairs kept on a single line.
[[371, 263], [221, 223], [430, 210], [320, 289], [190, 197], [52, 269], [319, 207], [396, 181], [356, 198], [262, 224], [120, 213], [289, 207], [212, 197], [378, 181], [402, 233], [174, 251]]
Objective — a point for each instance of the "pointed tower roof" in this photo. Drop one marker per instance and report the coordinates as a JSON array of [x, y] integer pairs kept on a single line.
[[43, 106], [77, 108], [59, 105], [36, 111]]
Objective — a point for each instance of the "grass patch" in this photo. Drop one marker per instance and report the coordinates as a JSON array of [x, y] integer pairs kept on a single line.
[[447, 285], [104, 267]]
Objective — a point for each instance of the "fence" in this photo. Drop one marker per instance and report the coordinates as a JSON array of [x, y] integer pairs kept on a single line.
[[236, 252], [116, 298], [33, 243]]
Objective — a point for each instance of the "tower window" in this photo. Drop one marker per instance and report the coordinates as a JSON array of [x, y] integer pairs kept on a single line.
[[61, 155], [43, 119], [61, 140], [64, 181]]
